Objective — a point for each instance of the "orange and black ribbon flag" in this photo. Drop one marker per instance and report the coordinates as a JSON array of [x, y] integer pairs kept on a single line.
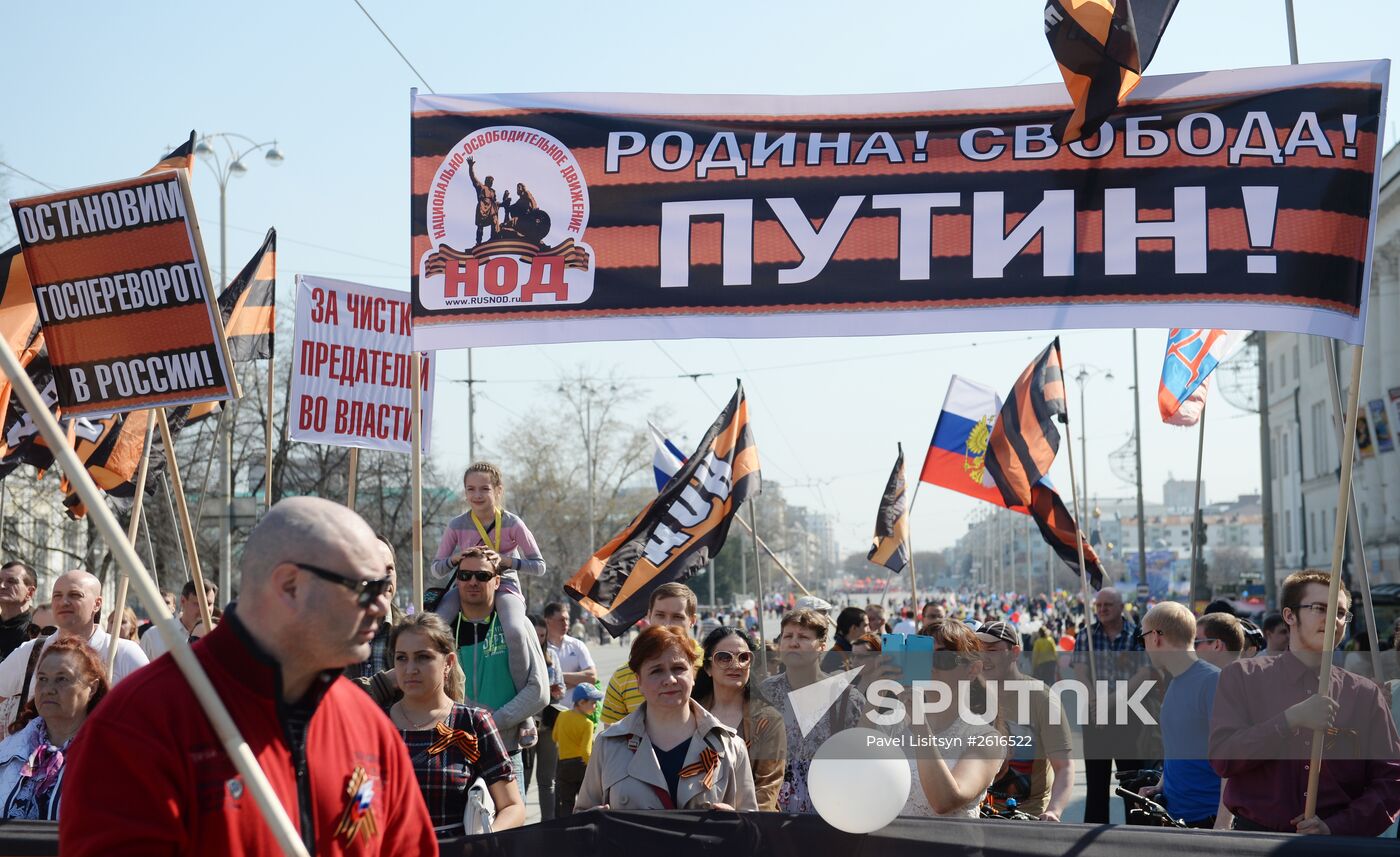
[[890, 547], [1022, 447], [1059, 529], [679, 531], [1024, 440], [249, 305], [1102, 48]]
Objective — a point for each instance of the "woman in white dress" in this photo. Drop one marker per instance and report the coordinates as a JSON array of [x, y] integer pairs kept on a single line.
[[955, 758]]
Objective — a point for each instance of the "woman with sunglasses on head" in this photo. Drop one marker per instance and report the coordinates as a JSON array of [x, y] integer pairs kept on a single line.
[[724, 688], [451, 744], [955, 759], [488, 525]]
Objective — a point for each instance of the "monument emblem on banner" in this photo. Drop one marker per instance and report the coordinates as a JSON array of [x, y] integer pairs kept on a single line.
[[506, 217]]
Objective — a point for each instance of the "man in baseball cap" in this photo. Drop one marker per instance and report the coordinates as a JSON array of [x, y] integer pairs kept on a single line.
[[1040, 775]]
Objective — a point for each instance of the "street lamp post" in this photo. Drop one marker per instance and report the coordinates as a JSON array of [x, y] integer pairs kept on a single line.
[[224, 154], [1086, 374]]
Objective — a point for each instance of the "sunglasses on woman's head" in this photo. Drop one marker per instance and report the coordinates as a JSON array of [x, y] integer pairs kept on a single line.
[[724, 659], [481, 576]]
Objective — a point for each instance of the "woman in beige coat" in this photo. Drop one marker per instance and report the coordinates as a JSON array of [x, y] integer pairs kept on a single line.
[[669, 753]]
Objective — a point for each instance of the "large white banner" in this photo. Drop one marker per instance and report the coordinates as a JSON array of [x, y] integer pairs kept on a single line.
[[352, 368], [1239, 200]]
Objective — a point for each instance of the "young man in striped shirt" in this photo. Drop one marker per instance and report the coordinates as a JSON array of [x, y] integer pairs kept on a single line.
[[671, 604]]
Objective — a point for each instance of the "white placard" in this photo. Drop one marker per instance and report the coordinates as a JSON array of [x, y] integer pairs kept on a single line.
[[352, 367]]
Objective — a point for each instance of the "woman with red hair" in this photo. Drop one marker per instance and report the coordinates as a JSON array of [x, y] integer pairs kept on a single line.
[[69, 681], [669, 753]]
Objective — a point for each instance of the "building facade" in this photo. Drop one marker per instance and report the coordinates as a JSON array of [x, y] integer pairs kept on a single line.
[[1303, 444]]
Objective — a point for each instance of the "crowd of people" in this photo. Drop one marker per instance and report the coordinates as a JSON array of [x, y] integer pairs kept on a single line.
[[399, 730]]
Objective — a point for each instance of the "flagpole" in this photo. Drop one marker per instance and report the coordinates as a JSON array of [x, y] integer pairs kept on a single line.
[[225, 410], [1030, 572], [177, 490], [758, 581], [760, 543], [267, 429], [1334, 584], [1079, 543], [132, 528], [1197, 579], [909, 543], [1354, 522], [416, 439], [128, 560], [352, 477], [175, 522]]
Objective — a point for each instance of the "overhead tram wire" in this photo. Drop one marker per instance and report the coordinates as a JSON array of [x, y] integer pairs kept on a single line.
[[759, 369], [22, 174], [281, 239], [406, 62]]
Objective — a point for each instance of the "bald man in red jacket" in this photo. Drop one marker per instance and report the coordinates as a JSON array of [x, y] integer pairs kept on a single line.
[[147, 774]]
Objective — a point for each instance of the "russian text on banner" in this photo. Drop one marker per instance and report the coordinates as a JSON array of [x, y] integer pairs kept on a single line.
[[352, 375], [1234, 199], [121, 286]]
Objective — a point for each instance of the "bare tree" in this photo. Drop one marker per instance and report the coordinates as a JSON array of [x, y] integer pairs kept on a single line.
[[576, 439]]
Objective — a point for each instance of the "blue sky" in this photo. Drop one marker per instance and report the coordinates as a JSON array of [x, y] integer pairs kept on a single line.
[[98, 90]]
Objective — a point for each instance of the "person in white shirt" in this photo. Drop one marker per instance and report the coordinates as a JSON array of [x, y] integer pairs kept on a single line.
[[906, 623], [154, 645], [77, 602], [571, 653]]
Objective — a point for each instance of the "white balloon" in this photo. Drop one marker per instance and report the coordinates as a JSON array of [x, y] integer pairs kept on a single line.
[[859, 780]]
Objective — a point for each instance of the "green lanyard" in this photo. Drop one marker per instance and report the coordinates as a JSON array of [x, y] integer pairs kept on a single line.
[[481, 644]]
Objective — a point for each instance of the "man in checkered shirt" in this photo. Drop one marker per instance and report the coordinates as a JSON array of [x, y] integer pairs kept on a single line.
[[1113, 637]]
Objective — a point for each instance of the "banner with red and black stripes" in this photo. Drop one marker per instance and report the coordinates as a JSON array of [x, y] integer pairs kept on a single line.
[[1234, 199], [680, 531], [121, 291]]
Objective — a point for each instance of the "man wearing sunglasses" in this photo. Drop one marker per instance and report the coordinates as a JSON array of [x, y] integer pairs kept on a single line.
[[1267, 710], [1192, 789], [313, 591], [504, 666]]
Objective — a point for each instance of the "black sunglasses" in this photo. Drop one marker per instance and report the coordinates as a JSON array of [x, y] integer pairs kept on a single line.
[[46, 631], [481, 576], [365, 591]]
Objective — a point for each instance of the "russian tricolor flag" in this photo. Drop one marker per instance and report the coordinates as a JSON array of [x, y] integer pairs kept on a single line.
[[957, 454], [666, 460]]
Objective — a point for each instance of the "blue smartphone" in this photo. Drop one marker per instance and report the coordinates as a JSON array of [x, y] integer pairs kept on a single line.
[[912, 653]]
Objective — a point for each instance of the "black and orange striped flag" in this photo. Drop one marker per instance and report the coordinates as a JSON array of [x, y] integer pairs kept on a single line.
[[679, 531], [19, 320], [1102, 48], [1024, 440], [249, 305], [890, 546], [1022, 447], [1059, 529]]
